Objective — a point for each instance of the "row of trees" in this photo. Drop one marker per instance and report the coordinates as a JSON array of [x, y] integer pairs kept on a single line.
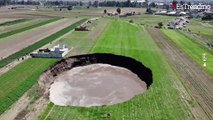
[[96, 3], [21, 2], [181, 2], [127, 3], [4, 2]]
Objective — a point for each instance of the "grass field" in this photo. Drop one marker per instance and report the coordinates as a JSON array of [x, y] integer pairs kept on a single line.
[[13, 22], [9, 33], [173, 95], [39, 44], [76, 12], [163, 99], [14, 83], [82, 41], [205, 29], [17, 81], [151, 20], [190, 47], [4, 29]]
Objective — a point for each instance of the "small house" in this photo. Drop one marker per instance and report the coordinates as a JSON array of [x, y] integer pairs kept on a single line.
[[58, 51]]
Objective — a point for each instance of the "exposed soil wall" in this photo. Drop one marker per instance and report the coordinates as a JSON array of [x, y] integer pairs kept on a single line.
[[47, 78], [95, 85]]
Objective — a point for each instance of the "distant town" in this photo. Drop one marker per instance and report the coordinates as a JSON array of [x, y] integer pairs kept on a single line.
[[193, 9]]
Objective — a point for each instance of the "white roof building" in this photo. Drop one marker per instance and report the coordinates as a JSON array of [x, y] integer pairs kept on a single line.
[[58, 51]]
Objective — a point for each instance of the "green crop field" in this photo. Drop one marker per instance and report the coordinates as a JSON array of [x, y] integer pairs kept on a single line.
[[39, 44], [14, 22], [29, 22], [178, 91], [203, 28], [162, 101], [9, 33], [151, 20], [17, 81], [82, 41], [193, 49]]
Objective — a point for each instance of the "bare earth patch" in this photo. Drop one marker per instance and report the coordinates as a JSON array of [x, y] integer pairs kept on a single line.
[[95, 85], [18, 13], [4, 29], [16, 108], [2, 20], [17, 42]]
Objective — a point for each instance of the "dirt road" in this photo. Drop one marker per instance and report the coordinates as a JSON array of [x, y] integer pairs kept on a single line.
[[198, 83], [4, 29], [2, 20], [19, 13], [17, 42]]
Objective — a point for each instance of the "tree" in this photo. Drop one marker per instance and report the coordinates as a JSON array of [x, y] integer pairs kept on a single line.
[[146, 3], [174, 2], [149, 10], [81, 3], [89, 3], [69, 7], [105, 11], [181, 2], [160, 25], [167, 6], [118, 4], [128, 3], [153, 5], [118, 10], [3, 2], [95, 4]]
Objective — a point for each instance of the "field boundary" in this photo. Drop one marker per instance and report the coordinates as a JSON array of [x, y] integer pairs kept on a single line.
[[20, 30], [39, 44], [190, 37], [191, 54], [14, 22], [47, 111], [194, 78], [19, 90]]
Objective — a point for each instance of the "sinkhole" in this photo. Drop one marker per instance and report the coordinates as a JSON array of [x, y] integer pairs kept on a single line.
[[94, 80]]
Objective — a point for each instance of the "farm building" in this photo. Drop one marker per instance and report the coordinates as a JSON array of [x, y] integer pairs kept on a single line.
[[58, 51]]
